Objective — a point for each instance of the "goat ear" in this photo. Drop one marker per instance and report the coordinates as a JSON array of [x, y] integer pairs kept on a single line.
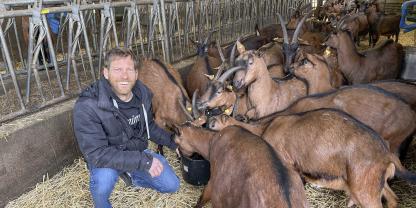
[[240, 48], [319, 57]]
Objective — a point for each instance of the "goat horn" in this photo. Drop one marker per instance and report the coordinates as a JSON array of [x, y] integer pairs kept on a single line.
[[297, 31], [342, 20], [220, 52], [232, 56], [219, 72], [184, 110], [228, 73], [285, 38], [195, 111]]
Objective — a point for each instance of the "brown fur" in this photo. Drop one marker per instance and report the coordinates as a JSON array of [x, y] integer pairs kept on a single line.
[[357, 24], [272, 54], [405, 90], [381, 24], [218, 95], [390, 117], [165, 106], [264, 94], [245, 171], [196, 80], [379, 63], [317, 73], [344, 154]]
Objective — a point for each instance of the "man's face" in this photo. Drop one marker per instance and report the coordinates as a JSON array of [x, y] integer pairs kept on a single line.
[[122, 76]]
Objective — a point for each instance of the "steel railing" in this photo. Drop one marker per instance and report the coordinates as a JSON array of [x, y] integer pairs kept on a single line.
[[41, 68]]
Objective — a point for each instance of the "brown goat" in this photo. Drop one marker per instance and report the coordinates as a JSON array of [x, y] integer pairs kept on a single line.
[[357, 24], [159, 78], [404, 89], [382, 111], [218, 94], [316, 72], [381, 24], [382, 62], [272, 54], [196, 78], [345, 155], [264, 94], [245, 171]]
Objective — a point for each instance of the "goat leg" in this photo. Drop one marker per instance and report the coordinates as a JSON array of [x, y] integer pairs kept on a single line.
[[206, 195]]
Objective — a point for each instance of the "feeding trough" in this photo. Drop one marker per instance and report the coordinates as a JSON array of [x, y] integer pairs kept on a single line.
[[195, 170]]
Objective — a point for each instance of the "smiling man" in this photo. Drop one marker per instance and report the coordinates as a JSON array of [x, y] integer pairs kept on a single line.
[[113, 122]]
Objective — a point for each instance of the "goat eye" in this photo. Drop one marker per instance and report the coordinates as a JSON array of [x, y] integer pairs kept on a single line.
[[304, 61]]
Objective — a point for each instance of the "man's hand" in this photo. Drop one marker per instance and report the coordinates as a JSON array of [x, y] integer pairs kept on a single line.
[[156, 168]]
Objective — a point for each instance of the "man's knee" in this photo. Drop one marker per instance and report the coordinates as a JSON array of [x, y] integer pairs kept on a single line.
[[171, 185], [103, 181]]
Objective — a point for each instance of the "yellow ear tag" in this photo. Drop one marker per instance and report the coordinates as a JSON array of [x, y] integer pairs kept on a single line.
[[228, 111], [189, 109], [230, 87], [327, 52]]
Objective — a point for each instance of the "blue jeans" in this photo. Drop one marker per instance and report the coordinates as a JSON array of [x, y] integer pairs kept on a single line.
[[103, 180]]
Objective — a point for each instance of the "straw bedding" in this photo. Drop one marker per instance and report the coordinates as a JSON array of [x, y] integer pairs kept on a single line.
[[69, 188]]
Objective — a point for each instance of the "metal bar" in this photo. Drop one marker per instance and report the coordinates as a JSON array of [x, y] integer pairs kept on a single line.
[[29, 58], [166, 52], [11, 69], [18, 44], [87, 45]]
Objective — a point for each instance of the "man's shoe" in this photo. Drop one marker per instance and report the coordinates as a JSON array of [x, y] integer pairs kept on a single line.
[[127, 179]]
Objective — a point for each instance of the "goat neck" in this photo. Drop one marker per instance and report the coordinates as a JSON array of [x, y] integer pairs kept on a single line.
[[262, 88], [346, 51], [200, 140], [256, 128]]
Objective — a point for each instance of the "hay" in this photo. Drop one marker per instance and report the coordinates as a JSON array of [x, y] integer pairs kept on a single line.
[[69, 188]]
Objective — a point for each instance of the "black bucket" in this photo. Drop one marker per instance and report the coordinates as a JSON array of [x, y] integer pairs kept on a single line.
[[195, 170]]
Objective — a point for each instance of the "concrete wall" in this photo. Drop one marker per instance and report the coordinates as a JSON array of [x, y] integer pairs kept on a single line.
[[34, 146], [40, 144]]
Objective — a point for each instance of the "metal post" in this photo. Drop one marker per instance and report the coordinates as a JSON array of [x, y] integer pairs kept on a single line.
[[11, 69]]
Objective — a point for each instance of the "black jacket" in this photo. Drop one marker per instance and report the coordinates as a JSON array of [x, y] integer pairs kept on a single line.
[[104, 136]]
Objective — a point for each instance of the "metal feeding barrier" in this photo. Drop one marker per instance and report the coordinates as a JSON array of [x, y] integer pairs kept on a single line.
[[51, 49]]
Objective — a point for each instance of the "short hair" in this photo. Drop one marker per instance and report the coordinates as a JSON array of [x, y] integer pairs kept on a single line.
[[119, 52]]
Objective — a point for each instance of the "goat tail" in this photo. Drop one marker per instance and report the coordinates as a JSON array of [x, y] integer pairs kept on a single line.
[[401, 171]]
